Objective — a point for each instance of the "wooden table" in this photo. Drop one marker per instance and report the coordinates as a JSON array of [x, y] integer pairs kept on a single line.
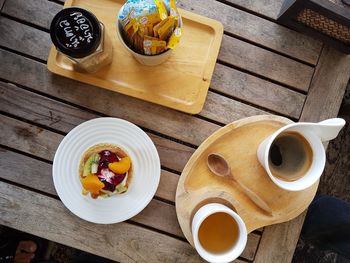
[[263, 68]]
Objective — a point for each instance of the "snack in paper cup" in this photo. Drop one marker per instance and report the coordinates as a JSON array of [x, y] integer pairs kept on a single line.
[[150, 27]]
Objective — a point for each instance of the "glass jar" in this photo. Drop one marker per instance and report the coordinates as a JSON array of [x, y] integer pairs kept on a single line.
[[79, 35]]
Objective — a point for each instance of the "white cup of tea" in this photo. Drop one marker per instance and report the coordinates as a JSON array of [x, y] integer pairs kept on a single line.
[[219, 234], [294, 156]]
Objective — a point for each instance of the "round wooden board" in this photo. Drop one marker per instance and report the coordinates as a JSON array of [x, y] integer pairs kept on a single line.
[[238, 143]]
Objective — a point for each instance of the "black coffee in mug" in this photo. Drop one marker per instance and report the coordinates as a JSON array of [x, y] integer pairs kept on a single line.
[[290, 156]]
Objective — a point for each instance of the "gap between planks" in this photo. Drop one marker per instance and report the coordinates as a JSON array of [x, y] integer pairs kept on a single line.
[[277, 67], [246, 18], [138, 243], [328, 85], [257, 92], [38, 175], [163, 120]]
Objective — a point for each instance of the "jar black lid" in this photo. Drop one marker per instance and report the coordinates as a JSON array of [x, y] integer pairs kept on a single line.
[[75, 32]]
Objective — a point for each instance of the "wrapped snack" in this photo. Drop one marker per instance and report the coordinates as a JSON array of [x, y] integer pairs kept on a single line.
[[150, 27], [174, 38], [165, 31], [163, 13], [171, 5], [153, 46]]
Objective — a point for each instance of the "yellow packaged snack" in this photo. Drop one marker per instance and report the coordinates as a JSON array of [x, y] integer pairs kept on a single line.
[[161, 9], [138, 42], [166, 30], [174, 38], [153, 46], [173, 9], [159, 25], [148, 22], [130, 25], [148, 26]]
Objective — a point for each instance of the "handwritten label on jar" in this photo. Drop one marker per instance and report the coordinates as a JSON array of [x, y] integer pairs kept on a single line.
[[77, 30]]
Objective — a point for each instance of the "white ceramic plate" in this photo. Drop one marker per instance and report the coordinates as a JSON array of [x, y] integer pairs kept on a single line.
[[146, 170]]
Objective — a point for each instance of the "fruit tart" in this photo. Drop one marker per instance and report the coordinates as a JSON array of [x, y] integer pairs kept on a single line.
[[105, 170]]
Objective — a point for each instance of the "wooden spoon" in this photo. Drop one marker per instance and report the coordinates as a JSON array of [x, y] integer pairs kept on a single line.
[[219, 166]]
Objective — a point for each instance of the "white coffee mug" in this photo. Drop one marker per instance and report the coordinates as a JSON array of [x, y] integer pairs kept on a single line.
[[236, 248], [315, 134]]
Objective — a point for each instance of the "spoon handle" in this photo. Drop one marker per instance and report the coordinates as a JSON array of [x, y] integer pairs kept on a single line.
[[255, 198]]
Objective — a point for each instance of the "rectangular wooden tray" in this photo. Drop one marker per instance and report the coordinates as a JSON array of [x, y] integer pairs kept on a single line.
[[180, 83]]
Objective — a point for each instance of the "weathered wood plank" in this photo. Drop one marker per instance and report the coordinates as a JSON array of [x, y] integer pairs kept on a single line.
[[23, 210], [63, 118], [22, 169], [229, 110], [37, 175], [265, 63], [258, 91], [28, 138], [166, 121], [42, 10], [266, 8], [40, 109], [172, 155], [278, 242], [37, 141], [236, 22], [233, 51], [22, 38], [328, 86], [258, 30]]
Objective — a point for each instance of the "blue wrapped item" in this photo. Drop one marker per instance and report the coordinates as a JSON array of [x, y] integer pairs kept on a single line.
[[141, 8]]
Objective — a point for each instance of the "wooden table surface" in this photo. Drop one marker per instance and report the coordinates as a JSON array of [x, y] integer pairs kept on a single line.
[[262, 68]]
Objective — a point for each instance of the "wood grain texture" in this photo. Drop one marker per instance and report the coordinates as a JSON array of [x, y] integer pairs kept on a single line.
[[265, 63], [122, 242], [238, 143], [181, 82], [157, 214], [23, 38], [323, 101], [42, 10], [258, 30], [63, 118], [166, 121], [265, 8], [227, 110], [278, 241], [35, 108], [328, 86], [36, 174], [31, 172], [235, 21], [257, 91], [246, 87], [31, 139], [233, 51]]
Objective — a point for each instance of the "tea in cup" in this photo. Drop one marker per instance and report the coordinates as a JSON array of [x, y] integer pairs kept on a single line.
[[219, 234], [294, 156]]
